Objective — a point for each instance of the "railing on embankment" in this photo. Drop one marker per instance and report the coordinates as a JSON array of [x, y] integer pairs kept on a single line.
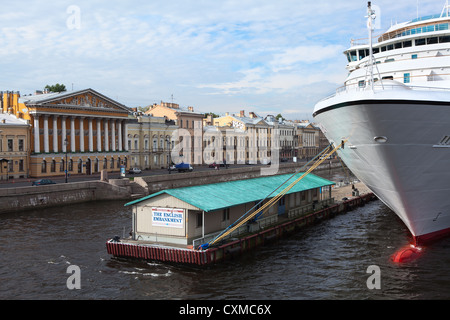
[[222, 252]]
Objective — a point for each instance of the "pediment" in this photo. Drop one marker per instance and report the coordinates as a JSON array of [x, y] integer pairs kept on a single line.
[[82, 99]]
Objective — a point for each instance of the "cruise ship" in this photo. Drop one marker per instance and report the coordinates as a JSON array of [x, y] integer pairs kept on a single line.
[[393, 113]]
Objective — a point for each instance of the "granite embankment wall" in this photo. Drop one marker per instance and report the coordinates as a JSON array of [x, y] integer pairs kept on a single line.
[[24, 198]]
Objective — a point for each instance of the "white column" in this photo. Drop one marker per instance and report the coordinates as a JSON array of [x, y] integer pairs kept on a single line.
[[63, 134], [119, 134], [72, 134], [81, 135], [91, 137], [46, 143], [37, 145], [106, 136], [99, 135], [125, 135], [113, 135], [55, 134]]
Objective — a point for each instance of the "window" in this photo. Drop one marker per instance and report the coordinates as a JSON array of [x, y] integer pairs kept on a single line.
[[444, 39], [10, 166], [420, 42], [414, 56], [390, 47], [407, 44], [70, 165], [21, 165], [406, 78], [10, 144], [53, 166], [398, 45], [432, 40], [361, 84], [61, 166], [383, 49], [199, 219], [44, 167], [20, 144], [226, 214]]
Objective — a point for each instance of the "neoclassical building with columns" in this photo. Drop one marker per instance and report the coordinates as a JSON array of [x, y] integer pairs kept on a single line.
[[84, 127]]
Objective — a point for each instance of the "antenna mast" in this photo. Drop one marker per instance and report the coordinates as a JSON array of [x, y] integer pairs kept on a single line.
[[445, 9], [370, 18]]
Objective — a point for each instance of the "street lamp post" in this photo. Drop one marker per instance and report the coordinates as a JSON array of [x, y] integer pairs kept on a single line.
[[65, 144]]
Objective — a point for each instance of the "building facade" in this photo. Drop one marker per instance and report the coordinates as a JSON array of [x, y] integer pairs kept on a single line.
[[14, 147], [150, 141], [82, 132], [188, 144]]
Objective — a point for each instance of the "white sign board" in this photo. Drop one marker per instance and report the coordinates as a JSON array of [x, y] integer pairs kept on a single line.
[[167, 217]]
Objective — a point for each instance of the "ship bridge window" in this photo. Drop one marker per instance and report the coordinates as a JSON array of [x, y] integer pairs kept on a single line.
[[376, 50], [363, 53], [420, 42], [444, 39], [407, 44], [390, 47], [432, 40], [398, 45], [383, 49], [353, 56]]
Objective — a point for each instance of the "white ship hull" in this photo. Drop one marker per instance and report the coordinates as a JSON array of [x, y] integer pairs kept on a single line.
[[395, 146]]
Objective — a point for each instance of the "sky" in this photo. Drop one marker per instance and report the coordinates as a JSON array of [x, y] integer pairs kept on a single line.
[[267, 57]]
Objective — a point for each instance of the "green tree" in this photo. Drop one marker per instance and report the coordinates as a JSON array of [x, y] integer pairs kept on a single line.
[[279, 116], [56, 88]]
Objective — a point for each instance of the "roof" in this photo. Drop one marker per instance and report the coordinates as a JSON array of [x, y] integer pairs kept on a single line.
[[11, 120], [55, 96], [223, 195]]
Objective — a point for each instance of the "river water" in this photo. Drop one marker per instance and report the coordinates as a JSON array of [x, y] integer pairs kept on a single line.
[[329, 260]]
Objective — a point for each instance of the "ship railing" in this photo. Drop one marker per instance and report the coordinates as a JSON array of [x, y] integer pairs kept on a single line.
[[357, 88]]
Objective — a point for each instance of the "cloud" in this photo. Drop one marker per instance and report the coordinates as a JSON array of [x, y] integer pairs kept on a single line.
[[214, 55]]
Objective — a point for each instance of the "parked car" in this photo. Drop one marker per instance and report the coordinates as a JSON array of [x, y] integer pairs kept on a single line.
[[214, 165], [181, 167], [134, 170], [42, 182]]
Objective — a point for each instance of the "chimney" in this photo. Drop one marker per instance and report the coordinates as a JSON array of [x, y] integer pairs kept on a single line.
[[252, 115], [242, 113]]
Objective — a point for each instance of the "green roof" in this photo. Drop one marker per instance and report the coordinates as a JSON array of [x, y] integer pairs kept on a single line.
[[216, 196]]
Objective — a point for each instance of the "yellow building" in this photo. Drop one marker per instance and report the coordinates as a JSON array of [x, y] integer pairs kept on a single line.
[[14, 146], [86, 127]]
